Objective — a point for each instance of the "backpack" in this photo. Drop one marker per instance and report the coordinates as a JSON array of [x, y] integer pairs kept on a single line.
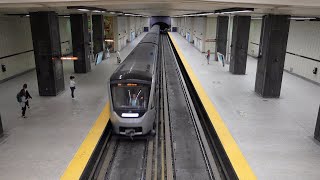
[[19, 99]]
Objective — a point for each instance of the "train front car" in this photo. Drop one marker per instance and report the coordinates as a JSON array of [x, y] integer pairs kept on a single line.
[[132, 89]]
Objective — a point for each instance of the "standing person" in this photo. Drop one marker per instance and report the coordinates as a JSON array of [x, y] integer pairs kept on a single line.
[[118, 57], [72, 85], [23, 101], [208, 56], [28, 96]]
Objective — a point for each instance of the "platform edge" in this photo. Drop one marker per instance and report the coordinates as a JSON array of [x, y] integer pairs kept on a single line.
[[83, 154]]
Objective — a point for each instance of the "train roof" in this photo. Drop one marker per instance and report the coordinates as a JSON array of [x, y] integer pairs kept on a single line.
[[139, 64], [151, 38]]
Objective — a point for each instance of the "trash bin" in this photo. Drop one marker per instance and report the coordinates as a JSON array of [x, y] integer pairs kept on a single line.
[[1, 128], [317, 130]]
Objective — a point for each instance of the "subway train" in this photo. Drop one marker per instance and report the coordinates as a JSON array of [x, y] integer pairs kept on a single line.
[[133, 88]]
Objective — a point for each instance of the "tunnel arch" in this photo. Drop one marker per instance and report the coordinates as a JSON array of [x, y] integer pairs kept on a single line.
[[163, 21], [162, 25]]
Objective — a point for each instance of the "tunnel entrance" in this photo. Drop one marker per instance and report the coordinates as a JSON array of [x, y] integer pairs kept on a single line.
[[163, 21]]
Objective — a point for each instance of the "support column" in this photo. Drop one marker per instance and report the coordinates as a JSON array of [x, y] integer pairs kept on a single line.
[[1, 128], [98, 33], [317, 130], [80, 42], [239, 46], [222, 35], [47, 52], [272, 51]]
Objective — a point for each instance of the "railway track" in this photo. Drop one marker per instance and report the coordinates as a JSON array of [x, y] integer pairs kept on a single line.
[[180, 149]]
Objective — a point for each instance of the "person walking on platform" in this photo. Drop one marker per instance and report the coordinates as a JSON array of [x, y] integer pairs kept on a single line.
[[22, 99], [72, 85], [208, 56], [118, 57], [28, 96]]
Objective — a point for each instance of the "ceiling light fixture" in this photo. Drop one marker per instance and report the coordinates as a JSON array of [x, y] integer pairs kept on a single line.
[[85, 10], [302, 18], [233, 10]]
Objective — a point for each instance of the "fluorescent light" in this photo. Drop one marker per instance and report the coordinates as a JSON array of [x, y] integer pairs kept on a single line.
[[109, 40], [66, 16], [302, 18], [130, 115], [256, 18], [242, 11], [83, 10], [112, 12], [27, 15]]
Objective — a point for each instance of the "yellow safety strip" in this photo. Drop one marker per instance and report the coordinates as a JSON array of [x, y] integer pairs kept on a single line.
[[238, 161], [82, 156]]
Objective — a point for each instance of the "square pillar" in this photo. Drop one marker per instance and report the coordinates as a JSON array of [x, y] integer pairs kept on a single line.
[[98, 33], [317, 130], [239, 46], [222, 35], [47, 52], [80, 42], [272, 52]]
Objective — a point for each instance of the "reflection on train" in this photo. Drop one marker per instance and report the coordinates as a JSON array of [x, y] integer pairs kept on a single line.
[[132, 88]]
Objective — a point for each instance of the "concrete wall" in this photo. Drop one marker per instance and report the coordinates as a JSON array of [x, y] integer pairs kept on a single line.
[[65, 35], [304, 40], [15, 37], [124, 26], [254, 38], [199, 29], [16, 42], [211, 28]]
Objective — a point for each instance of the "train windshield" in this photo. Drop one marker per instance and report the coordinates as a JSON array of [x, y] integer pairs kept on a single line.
[[130, 96]]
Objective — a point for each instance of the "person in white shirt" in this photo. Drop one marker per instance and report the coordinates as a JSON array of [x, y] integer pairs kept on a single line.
[[72, 85], [118, 57]]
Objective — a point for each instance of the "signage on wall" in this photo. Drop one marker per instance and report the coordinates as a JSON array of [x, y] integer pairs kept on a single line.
[[210, 40]]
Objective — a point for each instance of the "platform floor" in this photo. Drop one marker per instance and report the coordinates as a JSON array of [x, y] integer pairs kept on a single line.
[[42, 145], [275, 135]]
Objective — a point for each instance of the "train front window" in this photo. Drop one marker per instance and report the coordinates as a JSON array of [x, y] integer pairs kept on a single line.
[[130, 96]]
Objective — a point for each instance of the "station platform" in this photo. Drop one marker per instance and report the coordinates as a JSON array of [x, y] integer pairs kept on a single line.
[[274, 135], [42, 145]]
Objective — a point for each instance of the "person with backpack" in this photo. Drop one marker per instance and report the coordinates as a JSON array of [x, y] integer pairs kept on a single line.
[[21, 98], [28, 96]]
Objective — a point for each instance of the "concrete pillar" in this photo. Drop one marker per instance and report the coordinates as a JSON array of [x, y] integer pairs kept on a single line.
[[1, 128], [47, 52], [222, 35], [80, 42], [272, 52], [98, 33], [317, 130], [239, 46]]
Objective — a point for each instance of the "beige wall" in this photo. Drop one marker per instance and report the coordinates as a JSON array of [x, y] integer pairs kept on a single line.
[[211, 28], [15, 37], [254, 38]]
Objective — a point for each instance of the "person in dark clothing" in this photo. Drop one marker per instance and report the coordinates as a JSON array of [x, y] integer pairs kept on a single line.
[[23, 102], [28, 96]]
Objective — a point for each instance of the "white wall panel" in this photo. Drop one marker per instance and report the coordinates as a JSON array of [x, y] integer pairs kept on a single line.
[[199, 29], [15, 37], [304, 40], [65, 35], [254, 38], [211, 28]]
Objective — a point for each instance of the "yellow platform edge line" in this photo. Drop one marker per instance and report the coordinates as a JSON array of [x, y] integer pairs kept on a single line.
[[238, 161], [82, 156]]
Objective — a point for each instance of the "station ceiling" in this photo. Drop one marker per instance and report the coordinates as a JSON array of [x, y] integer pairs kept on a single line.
[[165, 7]]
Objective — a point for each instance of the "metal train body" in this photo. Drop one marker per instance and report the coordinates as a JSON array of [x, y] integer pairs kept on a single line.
[[132, 88]]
